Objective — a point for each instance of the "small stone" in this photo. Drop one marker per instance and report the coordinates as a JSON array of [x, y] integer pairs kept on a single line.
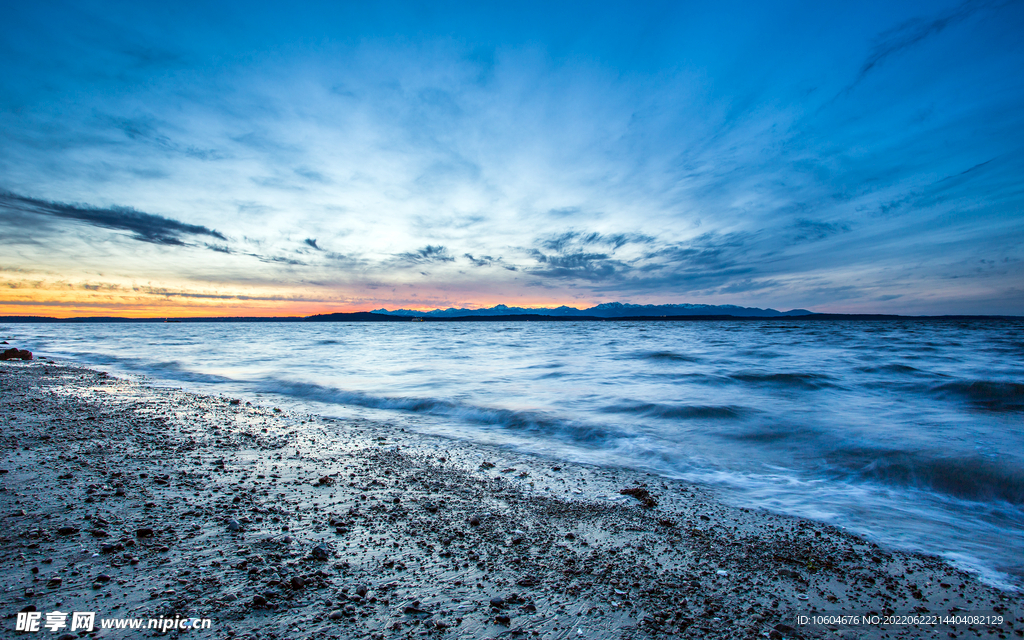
[[99, 533], [297, 582], [67, 530], [144, 532], [497, 602], [337, 614], [233, 525], [361, 591], [474, 521], [320, 552], [55, 582], [103, 578], [503, 620], [259, 601]]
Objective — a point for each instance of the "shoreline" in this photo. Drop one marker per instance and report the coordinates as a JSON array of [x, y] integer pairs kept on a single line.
[[277, 525]]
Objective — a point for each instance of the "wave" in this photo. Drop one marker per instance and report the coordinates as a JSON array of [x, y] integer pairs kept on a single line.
[[666, 356], [793, 380], [986, 394], [530, 421], [971, 478], [684, 412], [903, 369]]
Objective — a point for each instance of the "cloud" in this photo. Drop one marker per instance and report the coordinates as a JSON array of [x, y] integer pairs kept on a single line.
[[911, 33], [312, 242], [427, 254], [146, 227]]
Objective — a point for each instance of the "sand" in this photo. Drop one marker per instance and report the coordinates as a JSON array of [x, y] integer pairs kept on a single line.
[[134, 501]]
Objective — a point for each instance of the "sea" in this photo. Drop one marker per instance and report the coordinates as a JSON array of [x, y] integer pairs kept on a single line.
[[909, 432]]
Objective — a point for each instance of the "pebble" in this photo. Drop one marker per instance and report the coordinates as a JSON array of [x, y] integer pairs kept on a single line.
[[67, 530], [233, 525], [320, 552], [497, 602], [259, 601], [144, 532], [337, 614], [474, 521], [297, 582]]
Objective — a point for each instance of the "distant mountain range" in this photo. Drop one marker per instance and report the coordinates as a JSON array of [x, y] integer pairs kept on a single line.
[[606, 310]]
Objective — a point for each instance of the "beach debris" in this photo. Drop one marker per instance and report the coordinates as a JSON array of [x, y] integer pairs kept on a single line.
[[641, 494], [16, 354]]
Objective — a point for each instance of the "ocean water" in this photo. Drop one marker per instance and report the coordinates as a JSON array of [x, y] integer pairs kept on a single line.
[[909, 432]]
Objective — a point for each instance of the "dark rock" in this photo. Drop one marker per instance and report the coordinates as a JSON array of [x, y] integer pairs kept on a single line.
[[67, 530], [55, 582], [497, 602], [320, 552], [16, 354], [528, 581], [297, 582], [233, 525], [361, 591], [144, 532], [337, 614], [641, 494], [503, 620], [99, 533], [474, 521], [259, 601]]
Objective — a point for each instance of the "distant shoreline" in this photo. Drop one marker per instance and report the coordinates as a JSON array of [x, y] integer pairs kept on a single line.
[[365, 316]]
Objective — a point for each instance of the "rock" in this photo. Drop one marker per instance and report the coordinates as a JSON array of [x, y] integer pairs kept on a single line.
[[144, 532], [233, 525], [259, 601], [297, 582], [55, 582], [16, 354], [497, 602], [67, 636], [503, 620], [320, 552], [641, 494], [99, 533], [104, 578], [474, 521], [337, 614], [67, 530], [361, 591]]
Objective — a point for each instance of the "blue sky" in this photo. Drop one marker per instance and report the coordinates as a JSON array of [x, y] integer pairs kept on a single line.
[[255, 158]]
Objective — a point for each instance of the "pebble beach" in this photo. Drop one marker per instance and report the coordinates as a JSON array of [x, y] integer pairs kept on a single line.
[[136, 501]]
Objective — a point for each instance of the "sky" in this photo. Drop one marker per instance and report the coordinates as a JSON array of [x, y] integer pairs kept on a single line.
[[269, 158]]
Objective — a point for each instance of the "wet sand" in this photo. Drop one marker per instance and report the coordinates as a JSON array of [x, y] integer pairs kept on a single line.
[[135, 501]]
